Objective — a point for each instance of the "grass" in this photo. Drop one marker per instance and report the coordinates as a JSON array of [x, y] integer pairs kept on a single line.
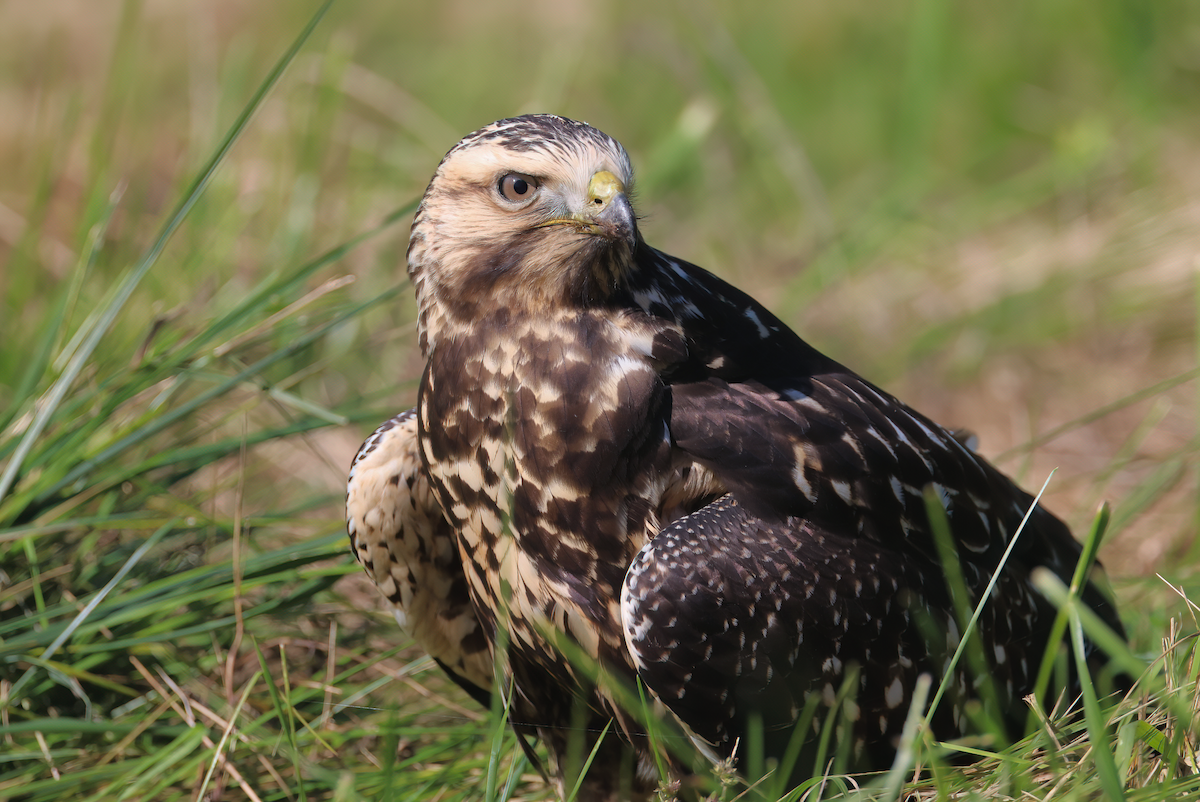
[[990, 211]]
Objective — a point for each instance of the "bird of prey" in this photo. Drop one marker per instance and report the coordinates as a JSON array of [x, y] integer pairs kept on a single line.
[[617, 452]]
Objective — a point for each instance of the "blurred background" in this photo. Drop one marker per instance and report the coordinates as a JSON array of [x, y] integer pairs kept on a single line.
[[989, 210]]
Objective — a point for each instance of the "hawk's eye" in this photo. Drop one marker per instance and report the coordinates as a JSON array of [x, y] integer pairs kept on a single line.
[[517, 188]]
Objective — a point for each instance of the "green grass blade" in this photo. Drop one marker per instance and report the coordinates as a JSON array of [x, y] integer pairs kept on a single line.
[[969, 642], [167, 759], [906, 754], [499, 735], [14, 692], [284, 713], [587, 764], [1112, 644], [165, 420], [127, 285], [1102, 753], [219, 749], [1087, 557]]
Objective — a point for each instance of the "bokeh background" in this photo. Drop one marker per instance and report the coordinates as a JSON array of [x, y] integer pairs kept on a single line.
[[993, 211]]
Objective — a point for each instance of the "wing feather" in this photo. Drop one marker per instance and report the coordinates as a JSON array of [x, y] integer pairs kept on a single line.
[[790, 432], [408, 549], [730, 617]]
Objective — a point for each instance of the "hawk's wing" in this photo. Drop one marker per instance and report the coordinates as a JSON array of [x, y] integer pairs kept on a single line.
[[823, 546], [835, 447], [729, 616], [408, 549], [790, 432]]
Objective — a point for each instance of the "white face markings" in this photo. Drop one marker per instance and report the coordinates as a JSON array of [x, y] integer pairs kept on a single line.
[[465, 213]]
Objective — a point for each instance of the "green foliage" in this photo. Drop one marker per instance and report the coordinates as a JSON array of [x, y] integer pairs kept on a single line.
[[202, 309]]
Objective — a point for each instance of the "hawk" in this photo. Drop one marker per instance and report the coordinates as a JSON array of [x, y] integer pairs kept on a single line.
[[616, 450]]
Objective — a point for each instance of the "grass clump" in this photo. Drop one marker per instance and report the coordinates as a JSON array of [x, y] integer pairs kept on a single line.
[[157, 640]]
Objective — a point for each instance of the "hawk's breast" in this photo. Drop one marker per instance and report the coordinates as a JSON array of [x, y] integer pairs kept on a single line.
[[546, 439]]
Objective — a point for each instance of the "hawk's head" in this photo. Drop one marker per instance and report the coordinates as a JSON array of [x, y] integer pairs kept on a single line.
[[527, 213]]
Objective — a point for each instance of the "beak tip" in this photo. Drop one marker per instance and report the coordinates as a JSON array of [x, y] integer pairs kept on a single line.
[[618, 219], [613, 215]]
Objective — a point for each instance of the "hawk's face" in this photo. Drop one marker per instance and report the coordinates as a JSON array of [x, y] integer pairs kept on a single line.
[[526, 214]]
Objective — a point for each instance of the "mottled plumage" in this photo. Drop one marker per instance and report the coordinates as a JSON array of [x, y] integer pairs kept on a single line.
[[613, 446], [402, 539]]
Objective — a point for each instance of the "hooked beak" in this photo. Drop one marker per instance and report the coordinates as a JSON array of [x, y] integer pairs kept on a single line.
[[607, 212], [610, 209]]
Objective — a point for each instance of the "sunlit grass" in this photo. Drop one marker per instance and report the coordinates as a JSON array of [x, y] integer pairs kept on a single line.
[[989, 210]]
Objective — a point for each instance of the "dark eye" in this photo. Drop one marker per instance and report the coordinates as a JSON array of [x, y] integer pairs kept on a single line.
[[517, 188]]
